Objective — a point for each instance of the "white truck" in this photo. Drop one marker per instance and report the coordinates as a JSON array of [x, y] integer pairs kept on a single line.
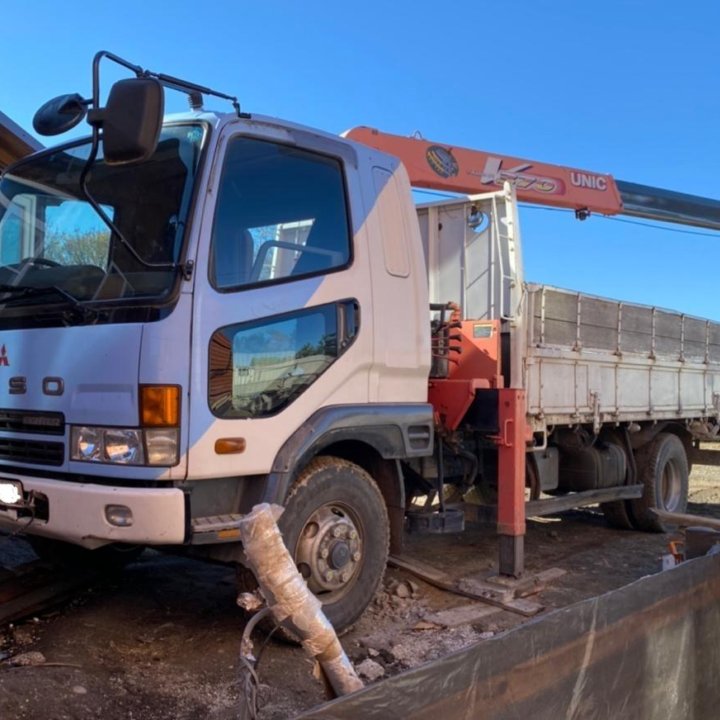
[[210, 311]]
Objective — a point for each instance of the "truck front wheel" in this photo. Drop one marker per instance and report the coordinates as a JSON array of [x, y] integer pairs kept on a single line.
[[663, 470], [335, 526]]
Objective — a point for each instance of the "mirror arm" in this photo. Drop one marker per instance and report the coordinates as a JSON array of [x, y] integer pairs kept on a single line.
[[96, 72], [96, 117], [173, 83], [114, 230], [168, 81]]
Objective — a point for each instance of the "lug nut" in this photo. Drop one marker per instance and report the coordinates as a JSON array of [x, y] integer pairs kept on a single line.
[[345, 576], [337, 531], [330, 576], [356, 556], [353, 534], [324, 553]]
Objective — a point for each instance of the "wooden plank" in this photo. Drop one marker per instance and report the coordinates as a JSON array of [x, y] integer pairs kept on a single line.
[[487, 514], [39, 599], [33, 587], [463, 615], [467, 587], [705, 457], [528, 584], [687, 520], [21, 580], [550, 506]]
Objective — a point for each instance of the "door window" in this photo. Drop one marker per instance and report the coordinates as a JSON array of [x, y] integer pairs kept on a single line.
[[258, 368], [281, 214]]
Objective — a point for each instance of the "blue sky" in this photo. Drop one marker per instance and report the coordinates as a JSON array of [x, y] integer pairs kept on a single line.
[[629, 88]]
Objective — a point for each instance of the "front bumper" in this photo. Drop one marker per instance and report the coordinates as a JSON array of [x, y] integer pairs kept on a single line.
[[76, 514]]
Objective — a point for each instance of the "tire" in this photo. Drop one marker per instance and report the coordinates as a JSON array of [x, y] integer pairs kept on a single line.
[[73, 557], [617, 514], [331, 500], [663, 470], [532, 477]]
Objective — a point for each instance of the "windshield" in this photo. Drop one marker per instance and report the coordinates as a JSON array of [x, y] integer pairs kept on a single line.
[[56, 250]]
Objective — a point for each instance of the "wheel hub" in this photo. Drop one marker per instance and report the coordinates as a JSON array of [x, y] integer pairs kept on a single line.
[[329, 549], [671, 487], [339, 555]]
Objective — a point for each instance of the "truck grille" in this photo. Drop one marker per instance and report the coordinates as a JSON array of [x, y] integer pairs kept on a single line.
[[37, 452], [31, 421]]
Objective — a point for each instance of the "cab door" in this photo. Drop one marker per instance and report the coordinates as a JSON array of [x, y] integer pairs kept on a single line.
[[282, 295]]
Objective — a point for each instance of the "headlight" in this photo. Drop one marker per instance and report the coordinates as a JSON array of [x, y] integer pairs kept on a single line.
[[11, 492], [124, 446], [87, 444], [162, 445]]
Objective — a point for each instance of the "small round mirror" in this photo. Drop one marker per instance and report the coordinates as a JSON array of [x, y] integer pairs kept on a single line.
[[60, 114]]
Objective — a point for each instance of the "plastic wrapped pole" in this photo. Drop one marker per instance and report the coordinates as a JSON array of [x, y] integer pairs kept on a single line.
[[289, 599]]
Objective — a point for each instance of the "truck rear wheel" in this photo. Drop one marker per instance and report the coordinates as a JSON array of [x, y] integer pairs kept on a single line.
[[336, 527], [617, 515], [663, 470]]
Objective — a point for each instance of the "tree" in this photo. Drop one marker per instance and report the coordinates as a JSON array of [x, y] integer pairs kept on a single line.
[[78, 248]]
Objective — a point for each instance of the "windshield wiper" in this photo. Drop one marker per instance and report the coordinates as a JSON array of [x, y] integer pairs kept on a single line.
[[30, 290], [23, 291]]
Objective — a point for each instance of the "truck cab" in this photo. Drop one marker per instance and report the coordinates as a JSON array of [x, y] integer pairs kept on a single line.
[[257, 300]]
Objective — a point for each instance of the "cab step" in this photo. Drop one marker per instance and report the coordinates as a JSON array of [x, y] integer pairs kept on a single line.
[[212, 529]]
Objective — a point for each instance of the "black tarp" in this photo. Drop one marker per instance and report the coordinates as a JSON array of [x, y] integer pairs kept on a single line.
[[648, 651]]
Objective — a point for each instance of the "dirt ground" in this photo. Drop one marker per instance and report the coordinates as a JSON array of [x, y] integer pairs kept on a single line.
[[161, 641]]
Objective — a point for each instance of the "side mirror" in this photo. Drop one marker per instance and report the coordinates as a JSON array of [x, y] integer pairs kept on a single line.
[[60, 114], [131, 120]]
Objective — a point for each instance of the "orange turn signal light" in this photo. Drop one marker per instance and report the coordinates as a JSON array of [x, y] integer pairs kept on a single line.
[[159, 405], [229, 446]]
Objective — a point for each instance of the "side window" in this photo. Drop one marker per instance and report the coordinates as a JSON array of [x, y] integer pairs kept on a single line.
[[258, 368], [17, 230], [281, 213]]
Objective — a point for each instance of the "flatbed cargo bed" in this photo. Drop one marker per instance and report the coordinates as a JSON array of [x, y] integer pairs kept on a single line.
[[596, 360]]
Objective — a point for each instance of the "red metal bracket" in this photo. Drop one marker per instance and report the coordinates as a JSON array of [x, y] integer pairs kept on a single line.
[[511, 462], [511, 480], [452, 399]]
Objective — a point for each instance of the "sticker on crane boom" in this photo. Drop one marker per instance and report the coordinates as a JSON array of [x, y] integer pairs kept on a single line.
[[442, 161], [494, 174], [482, 330]]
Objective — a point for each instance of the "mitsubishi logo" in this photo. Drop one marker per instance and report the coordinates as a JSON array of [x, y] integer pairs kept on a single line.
[[4, 361]]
